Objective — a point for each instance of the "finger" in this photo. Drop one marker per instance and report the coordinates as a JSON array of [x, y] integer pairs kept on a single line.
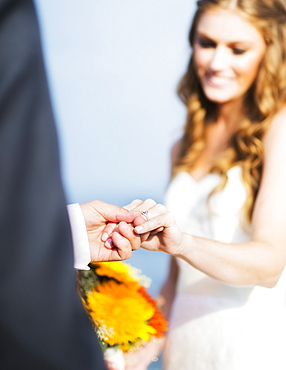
[[109, 243], [149, 205], [127, 231], [124, 248], [133, 205], [111, 226], [108, 230], [156, 231], [140, 205], [112, 213], [153, 211], [161, 221]]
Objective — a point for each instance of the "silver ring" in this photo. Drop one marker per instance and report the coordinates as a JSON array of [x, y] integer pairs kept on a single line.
[[144, 214]]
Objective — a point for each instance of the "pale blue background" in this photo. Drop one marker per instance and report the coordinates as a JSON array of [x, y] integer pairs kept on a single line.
[[113, 68]]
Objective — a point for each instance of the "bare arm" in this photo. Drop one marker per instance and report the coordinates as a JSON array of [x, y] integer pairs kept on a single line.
[[258, 262]]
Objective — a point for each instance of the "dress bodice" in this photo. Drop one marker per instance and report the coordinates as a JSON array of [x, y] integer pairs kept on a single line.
[[213, 325], [217, 217]]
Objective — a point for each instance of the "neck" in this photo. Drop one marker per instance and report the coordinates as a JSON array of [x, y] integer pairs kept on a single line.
[[230, 113]]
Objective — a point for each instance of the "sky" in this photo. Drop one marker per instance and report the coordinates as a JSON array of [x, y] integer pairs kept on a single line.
[[113, 67]]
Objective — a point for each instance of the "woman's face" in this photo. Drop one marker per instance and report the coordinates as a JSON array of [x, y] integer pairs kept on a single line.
[[227, 53]]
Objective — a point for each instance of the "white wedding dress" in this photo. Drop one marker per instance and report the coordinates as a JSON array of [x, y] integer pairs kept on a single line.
[[216, 326]]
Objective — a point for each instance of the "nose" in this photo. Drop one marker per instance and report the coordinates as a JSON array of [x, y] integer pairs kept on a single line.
[[220, 59]]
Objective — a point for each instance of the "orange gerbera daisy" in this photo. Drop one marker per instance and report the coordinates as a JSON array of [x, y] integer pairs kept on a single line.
[[122, 311]]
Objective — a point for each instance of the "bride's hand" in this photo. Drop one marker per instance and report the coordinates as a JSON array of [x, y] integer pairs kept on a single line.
[[160, 223]]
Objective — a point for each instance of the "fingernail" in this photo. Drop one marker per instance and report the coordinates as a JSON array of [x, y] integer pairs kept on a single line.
[[104, 237], [138, 229], [109, 243]]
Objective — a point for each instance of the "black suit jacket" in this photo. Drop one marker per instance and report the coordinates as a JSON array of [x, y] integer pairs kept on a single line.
[[42, 323]]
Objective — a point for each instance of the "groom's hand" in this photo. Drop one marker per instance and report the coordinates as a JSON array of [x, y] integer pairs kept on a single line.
[[97, 215]]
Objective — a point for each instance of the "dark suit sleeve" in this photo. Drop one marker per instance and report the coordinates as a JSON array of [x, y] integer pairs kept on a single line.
[[42, 323]]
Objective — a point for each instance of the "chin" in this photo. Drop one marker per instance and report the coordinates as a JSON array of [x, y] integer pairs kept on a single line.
[[220, 97]]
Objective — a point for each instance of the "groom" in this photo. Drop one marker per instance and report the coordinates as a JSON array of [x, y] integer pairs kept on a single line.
[[42, 322]]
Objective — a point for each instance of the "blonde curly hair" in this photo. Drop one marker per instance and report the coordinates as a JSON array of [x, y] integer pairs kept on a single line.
[[262, 101]]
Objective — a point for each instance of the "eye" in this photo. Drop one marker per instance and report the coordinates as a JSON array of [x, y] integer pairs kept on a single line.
[[206, 44], [238, 51]]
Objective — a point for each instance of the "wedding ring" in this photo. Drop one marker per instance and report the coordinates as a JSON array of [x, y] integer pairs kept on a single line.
[[144, 214], [155, 359]]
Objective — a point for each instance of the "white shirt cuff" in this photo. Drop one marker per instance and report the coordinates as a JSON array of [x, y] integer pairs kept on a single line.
[[79, 237]]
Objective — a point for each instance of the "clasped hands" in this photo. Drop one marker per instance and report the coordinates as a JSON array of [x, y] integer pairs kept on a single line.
[[114, 232]]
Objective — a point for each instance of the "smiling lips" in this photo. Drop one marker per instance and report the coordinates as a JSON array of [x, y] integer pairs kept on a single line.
[[217, 81]]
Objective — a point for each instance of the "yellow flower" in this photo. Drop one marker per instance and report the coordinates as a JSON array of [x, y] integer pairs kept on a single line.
[[122, 272], [124, 312]]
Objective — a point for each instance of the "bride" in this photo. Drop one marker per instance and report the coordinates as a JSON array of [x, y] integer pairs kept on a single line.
[[225, 294]]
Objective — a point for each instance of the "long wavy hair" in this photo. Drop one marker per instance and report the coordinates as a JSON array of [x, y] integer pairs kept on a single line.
[[264, 98]]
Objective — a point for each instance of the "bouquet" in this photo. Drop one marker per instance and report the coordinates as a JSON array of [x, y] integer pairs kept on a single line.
[[124, 315]]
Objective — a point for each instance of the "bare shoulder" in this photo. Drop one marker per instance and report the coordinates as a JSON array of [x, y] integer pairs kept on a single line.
[[275, 138], [279, 121], [277, 130], [175, 151]]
